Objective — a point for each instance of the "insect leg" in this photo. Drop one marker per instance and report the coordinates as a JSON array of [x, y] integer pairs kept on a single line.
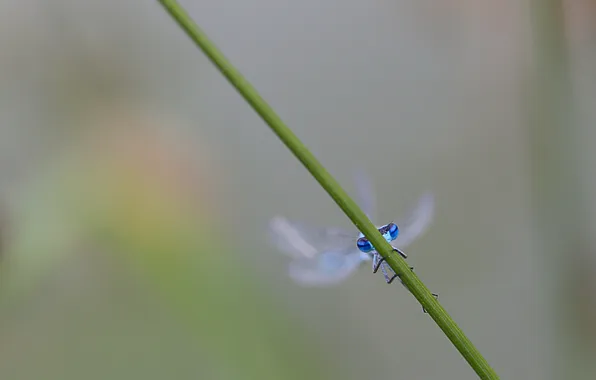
[[400, 252], [436, 297], [434, 294], [388, 279], [376, 262], [378, 259]]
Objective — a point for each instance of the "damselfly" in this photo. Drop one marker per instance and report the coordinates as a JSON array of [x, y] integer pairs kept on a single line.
[[326, 256]]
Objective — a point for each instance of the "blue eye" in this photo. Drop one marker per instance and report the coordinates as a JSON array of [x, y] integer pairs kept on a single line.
[[393, 231], [364, 245]]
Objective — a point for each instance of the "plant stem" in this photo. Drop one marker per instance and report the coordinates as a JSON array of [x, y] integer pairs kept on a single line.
[[558, 187], [349, 207]]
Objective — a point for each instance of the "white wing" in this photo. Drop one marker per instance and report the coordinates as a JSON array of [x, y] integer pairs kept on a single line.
[[328, 268], [417, 223], [321, 257], [366, 193], [299, 240]]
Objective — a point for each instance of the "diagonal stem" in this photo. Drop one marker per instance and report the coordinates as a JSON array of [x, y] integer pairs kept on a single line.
[[349, 207]]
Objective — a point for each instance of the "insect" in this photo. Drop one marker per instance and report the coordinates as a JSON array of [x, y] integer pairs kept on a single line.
[[326, 256]]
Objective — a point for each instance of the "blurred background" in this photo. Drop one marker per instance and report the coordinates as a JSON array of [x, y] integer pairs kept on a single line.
[[136, 186]]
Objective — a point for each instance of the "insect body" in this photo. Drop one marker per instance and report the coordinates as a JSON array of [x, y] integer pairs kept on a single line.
[[389, 232], [326, 256]]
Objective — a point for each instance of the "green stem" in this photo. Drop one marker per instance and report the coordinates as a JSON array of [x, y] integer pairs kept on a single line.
[[349, 207]]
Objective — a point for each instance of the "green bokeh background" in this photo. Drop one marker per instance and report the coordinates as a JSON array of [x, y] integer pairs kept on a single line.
[[136, 187]]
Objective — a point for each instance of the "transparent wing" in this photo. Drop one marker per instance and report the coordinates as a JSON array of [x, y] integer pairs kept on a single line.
[[366, 193], [418, 221], [299, 240], [321, 256], [328, 268]]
